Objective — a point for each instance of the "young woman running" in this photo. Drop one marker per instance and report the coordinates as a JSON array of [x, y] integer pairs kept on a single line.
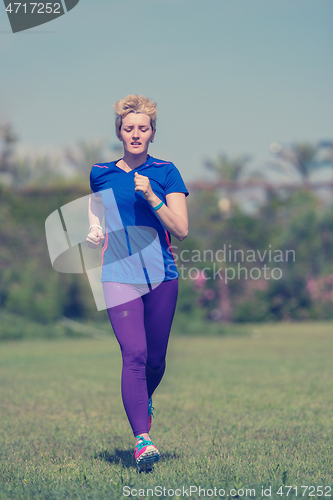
[[143, 201]]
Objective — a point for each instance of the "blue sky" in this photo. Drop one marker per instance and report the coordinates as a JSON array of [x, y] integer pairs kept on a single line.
[[228, 75]]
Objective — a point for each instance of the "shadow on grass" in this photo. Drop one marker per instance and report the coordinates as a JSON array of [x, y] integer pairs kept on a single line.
[[169, 456], [126, 457]]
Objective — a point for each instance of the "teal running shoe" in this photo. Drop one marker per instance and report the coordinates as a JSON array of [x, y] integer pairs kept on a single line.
[[146, 454]]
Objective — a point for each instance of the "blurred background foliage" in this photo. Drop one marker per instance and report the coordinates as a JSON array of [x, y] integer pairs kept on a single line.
[[249, 211]]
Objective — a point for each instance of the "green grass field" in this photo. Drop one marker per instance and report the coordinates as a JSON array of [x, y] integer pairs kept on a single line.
[[240, 412]]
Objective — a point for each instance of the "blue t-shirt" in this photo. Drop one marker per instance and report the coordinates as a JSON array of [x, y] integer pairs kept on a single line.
[[137, 247]]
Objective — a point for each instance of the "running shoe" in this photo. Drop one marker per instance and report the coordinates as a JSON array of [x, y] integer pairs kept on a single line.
[[150, 413], [146, 454]]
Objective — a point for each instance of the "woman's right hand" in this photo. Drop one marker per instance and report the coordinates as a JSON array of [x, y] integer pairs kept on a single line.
[[94, 237]]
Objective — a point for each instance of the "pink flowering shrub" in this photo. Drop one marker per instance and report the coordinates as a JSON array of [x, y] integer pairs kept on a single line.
[[321, 289]]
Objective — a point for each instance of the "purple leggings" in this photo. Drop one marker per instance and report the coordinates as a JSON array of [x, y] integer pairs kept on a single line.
[[142, 326]]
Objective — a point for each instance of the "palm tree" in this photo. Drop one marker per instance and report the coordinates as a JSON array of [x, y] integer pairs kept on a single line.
[[302, 155], [228, 170]]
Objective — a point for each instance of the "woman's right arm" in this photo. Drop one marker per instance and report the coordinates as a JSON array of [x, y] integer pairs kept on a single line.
[[96, 215]]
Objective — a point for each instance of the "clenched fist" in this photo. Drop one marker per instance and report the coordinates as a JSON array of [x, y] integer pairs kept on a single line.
[[94, 237], [142, 183]]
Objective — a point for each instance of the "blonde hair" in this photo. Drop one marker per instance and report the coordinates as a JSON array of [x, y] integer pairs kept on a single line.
[[135, 104]]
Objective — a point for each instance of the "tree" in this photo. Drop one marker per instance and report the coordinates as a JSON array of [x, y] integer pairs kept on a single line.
[[21, 171], [8, 139], [85, 156], [302, 155], [228, 172], [227, 169], [305, 158]]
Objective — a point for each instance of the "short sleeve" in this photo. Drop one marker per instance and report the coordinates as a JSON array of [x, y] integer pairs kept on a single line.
[[93, 184], [92, 181], [174, 182]]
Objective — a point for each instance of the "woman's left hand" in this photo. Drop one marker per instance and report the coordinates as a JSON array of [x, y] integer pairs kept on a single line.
[[142, 183]]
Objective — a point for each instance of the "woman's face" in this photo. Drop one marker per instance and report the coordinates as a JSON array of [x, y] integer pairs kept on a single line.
[[136, 133]]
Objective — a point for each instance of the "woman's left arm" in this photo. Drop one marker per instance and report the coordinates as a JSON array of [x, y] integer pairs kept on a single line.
[[173, 215]]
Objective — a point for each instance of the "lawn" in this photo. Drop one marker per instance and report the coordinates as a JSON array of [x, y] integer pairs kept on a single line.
[[233, 414]]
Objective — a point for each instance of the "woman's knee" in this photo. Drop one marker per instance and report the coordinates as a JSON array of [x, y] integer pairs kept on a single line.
[[156, 365], [135, 356]]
